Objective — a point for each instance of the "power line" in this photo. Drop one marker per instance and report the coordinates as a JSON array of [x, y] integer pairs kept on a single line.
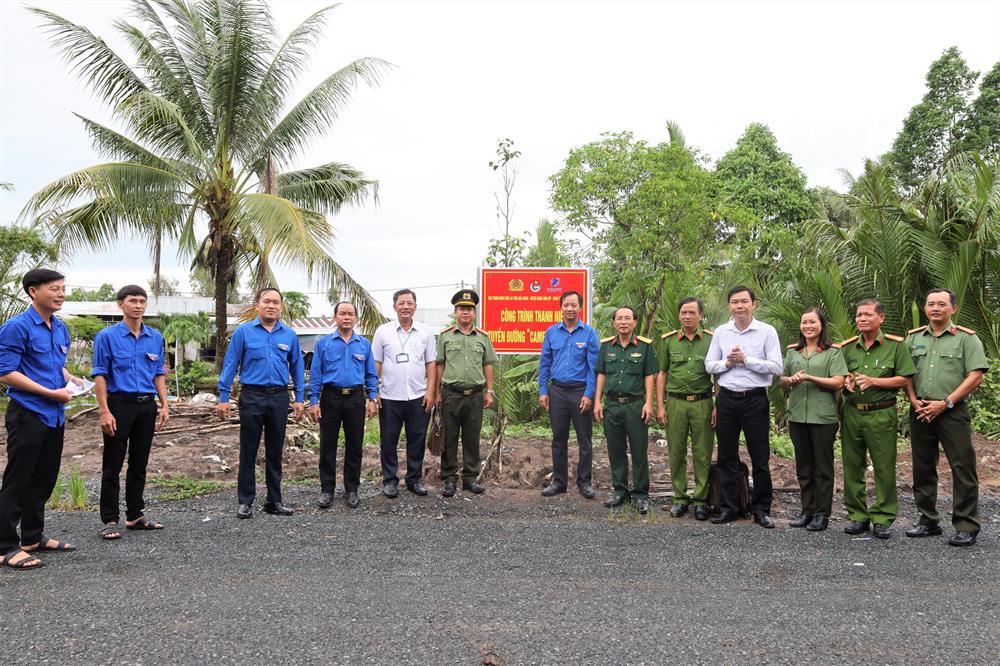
[[180, 294]]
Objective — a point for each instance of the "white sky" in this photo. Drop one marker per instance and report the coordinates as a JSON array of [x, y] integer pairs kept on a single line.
[[833, 80]]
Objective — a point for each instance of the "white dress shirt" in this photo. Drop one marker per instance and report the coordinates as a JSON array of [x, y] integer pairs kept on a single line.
[[403, 379], [762, 351]]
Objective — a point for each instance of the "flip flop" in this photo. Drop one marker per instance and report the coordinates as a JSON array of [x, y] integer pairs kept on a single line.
[[30, 562], [111, 532], [143, 524], [43, 545]]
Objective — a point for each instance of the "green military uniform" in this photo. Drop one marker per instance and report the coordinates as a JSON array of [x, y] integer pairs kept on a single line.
[[625, 370], [464, 356], [689, 411], [812, 423], [943, 361], [869, 425]]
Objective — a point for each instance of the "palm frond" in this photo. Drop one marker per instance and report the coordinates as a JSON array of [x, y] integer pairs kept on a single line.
[[327, 188]]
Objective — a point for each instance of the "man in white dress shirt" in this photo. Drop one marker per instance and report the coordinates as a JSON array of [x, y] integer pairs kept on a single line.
[[746, 357], [404, 354]]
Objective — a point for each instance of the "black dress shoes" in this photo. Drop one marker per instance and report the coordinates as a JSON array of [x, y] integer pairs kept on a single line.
[[614, 501], [325, 500], [642, 506], [725, 517], [352, 499], [448, 489], [474, 487], [763, 520], [678, 510], [552, 490], [803, 520], [701, 512], [390, 490], [856, 527], [880, 531], [244, 511], [962, 539], [278, 509], [818, 523], [587, 491], [416, 488], [921, 530]]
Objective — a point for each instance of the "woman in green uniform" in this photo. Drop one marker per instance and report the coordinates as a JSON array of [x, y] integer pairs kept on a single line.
[[813, 373]]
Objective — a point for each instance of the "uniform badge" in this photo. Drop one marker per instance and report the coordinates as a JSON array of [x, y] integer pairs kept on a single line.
[[636, 354], [359, 357], [282, 346], [63, 349], [153, 357], [581, 345]]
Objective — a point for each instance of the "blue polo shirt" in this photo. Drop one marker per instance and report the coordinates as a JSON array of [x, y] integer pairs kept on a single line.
[[264, 358], [343, 364], [128, 363], [38, 352], [569, 357]]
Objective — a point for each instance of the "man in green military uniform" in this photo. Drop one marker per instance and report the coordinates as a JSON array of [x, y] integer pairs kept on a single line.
[[950, 365], [626, 365], [465, 360], [688, 410], [879, 365]]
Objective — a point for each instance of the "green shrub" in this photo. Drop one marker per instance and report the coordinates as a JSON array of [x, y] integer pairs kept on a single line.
[[984, 404]]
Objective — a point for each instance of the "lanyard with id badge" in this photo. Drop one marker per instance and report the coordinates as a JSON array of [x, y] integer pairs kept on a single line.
[[402, 356]]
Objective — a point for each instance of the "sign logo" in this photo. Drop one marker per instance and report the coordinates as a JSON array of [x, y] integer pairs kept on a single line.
[[516, 285], [535, 286], [554, 282]]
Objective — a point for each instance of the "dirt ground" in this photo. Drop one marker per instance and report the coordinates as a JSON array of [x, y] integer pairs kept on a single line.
[[196, 444]]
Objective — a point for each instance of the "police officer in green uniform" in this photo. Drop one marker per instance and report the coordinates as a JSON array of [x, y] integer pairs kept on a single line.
[[626, 365], [688, 409], [465, 359], [879, 365], [950, 365], [814, 371]]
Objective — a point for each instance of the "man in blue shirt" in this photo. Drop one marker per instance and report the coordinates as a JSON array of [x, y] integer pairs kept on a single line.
[[129, 372], [567, 377], [33, 348], [343, 388], [266, 353]]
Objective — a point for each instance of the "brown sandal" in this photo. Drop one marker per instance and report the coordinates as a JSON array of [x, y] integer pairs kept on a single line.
[[29, 562], [111, 532], [142, 523]]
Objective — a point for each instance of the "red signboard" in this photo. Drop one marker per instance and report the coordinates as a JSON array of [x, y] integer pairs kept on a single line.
[[517, 305]]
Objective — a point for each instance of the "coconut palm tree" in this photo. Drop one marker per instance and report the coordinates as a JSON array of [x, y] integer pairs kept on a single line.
[[208, 135]]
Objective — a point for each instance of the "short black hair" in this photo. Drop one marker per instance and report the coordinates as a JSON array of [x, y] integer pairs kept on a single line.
[[691, 299], [879, 308], [567, 294], [741, 287], [402, 292], [36, 277], [824, 336], [130, 290], [339, 303], [951, 294], [262, 290], [623, 307]]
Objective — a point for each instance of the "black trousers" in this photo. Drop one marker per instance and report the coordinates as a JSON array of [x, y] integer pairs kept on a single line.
[[135, 425], [267, 413], [813, 444], [394, 415], [338, 410], [564, 408], [750, 415], [34, 452]]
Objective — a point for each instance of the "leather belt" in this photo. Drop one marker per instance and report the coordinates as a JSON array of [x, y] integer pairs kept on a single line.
[[743, 394], [623, 398], [464, 391], [873, 406], [343, 390], [131, 397], [569, 385], [262, 388], [690, 397]]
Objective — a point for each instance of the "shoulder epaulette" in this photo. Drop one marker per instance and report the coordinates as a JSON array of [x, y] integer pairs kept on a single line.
[[708, 330], [848, 341], [445, 330], [965, 330], [793, 345], [646, 340], [483, 332], [836, 345], [608, 339], [916, 330], [668, 334], [894, 338]]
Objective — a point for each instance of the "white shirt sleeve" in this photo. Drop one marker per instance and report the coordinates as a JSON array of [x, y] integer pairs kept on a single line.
[[377, 342], [771, 363], [714, 363]]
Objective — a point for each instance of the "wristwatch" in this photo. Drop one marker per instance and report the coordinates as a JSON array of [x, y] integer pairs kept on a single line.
[[949, 403], [490, 391]]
